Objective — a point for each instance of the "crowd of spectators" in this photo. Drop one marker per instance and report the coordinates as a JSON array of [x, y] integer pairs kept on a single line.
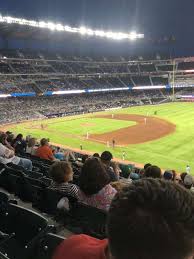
[[142, 205], [10, 149], [21, 70], [53, 106]]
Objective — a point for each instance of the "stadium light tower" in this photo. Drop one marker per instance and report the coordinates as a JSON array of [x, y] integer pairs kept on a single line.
[[83, 30]]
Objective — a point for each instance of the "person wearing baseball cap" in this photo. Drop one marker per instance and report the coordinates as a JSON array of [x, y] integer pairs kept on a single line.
[[188, 181]]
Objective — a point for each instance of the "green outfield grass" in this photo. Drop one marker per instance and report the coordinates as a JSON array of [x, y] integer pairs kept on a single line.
[[174, 151]]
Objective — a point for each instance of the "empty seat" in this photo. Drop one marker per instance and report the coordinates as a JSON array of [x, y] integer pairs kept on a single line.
[[3, 256], [47, 246], [87, 220], [10, 179], [48, 201], [3, 198], [31, 189], [28, 227]]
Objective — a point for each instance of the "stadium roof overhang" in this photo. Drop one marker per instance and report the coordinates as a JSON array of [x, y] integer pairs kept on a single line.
[[17, 31]]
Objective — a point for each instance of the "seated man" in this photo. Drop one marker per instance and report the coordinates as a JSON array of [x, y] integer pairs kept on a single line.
[[111, 167], [149, 219], [44, 151], [8, 156]]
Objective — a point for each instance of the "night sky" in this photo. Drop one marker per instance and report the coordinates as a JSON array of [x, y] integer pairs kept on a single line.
[[154, 18]]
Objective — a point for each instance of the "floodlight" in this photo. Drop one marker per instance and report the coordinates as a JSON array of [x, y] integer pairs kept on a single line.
[[59, 27], [32, 23], [8, 19], [70, 29], [67, 28], [51, 26], [133, 35], [120, 36], [42, 24], [90, 32], [109, 34], [83, 30], [99, 33]]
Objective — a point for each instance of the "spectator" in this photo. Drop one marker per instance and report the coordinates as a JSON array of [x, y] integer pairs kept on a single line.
[[168, 175], [3, 140], [31, 146], [146, 166], [8, 156], [174, 176], [63, 155], [142, 171], [188, 182], [84, 158], [61, 173], [110, 166], [162, 210], [44, 151], [182, 177], [188, 169], [153, 172], [69, 155], [10, 137], [96, 155], [134, 176], [95, 189], [19, 144], [58, 154]]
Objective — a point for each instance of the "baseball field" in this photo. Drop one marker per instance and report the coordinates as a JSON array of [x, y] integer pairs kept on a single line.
[[162, 135]]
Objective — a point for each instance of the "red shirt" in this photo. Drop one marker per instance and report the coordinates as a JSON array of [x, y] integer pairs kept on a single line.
[[82, 247], [44, 152]]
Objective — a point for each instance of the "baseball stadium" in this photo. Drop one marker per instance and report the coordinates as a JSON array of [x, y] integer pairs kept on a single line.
[[96, 129]]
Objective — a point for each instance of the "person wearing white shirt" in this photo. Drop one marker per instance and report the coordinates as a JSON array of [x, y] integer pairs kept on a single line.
[[188, 169], [8, 156]]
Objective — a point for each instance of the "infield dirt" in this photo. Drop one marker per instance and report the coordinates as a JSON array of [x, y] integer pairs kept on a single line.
[[146, 129]]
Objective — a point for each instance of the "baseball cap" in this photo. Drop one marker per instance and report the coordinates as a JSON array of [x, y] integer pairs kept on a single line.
[[168, 175], [134, 176], [188, 180]]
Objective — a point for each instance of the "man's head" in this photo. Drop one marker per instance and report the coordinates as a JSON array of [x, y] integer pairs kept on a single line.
[[146, 166], [188, 181], [182, 176], [106, 157], [153, 172], [96, 155], [19, 137], [44, 142], [152, 218]]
